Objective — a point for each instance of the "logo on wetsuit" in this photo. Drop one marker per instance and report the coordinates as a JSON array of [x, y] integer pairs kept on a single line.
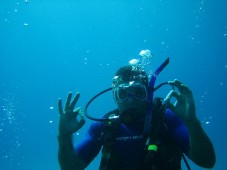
[[127, 138]]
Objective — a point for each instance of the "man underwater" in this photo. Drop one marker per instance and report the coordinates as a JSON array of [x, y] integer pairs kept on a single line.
[[173, 132]]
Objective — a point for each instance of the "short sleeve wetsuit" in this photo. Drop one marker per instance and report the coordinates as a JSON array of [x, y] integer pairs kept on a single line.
[[129, 144]]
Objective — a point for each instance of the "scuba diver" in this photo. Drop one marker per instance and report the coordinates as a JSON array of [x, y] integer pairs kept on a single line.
[[143, 133]]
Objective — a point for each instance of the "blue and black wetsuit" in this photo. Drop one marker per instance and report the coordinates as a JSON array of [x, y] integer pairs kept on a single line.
[[128, 149]]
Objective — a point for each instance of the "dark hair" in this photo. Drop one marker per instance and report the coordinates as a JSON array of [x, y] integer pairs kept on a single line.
[[130, 73]]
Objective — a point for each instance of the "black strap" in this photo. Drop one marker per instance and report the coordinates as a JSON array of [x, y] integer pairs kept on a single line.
[[186, 162], [109, 135], [107, 149]]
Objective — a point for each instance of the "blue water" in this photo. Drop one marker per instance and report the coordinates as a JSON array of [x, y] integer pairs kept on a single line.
[[48, 48]]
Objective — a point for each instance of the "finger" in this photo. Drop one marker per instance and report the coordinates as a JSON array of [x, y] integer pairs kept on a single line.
[[81, 122], [176, 83], [82, 119], [167, 100], [74, 101], [183, 89], [179, 85], [75, 112], [188, 95], [81, 114], [78, 111], [67, 103], [174, 94], [60, 106], [186, 89], [170, 95]]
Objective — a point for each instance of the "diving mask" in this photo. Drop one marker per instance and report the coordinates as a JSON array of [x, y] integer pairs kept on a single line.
[[135, 91]]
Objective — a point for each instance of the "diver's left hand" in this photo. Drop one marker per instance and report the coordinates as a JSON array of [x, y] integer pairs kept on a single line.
[[184, 106]]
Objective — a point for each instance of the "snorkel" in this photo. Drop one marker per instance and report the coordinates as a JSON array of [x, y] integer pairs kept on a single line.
[[150, 96]]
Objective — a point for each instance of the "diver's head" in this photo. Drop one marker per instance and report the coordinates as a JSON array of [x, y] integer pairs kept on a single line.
[[130, 91]]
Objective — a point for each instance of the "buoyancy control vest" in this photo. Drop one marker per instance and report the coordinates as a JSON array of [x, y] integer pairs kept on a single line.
[[166, 157]]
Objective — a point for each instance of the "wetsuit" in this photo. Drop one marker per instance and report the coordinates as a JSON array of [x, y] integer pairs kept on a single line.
[[128, 148]]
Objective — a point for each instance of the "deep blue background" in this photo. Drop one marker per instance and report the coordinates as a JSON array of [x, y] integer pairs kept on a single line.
[[48, 48]]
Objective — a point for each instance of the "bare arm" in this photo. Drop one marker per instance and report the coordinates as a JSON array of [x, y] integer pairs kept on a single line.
[[201, 148], [67, 157], [69, 124]]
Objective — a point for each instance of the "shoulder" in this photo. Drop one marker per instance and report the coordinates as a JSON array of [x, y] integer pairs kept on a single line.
[[178, 130], [95, 129], [171, 119], [98, 127]]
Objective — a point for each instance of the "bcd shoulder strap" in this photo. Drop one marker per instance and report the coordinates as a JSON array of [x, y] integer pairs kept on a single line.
[[108, 137], [158, 118]]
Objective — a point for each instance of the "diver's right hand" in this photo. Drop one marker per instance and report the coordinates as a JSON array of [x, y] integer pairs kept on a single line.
[[69, 122]]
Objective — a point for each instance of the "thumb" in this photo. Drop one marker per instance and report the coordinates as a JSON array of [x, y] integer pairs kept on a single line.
[[81, 122], [79, 111]]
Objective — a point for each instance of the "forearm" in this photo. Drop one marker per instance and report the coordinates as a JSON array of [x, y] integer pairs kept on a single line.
[[202, 150], [67, 157]]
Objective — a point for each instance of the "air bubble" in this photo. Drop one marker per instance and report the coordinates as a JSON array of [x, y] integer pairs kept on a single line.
[[134, 62], [145, 54]]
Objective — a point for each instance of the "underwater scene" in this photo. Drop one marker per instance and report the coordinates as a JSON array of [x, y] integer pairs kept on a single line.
[[50, 48]]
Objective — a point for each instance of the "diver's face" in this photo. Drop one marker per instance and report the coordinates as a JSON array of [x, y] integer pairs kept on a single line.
[[130, 96], [136, 107]]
